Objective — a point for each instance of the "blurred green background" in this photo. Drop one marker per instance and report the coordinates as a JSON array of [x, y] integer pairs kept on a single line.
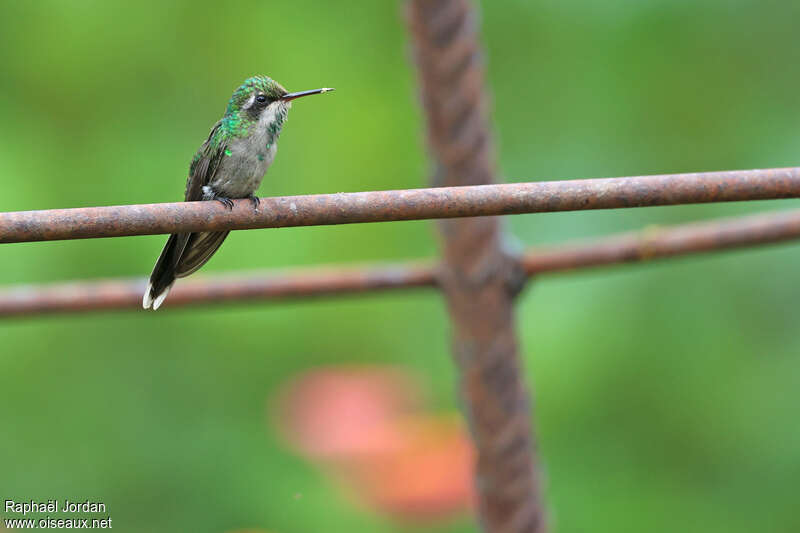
[[666, 394]]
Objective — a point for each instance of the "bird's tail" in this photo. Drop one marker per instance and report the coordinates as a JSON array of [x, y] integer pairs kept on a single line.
[[183, 254]]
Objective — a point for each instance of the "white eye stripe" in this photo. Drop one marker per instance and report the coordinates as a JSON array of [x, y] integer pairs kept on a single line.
[[250, 102]]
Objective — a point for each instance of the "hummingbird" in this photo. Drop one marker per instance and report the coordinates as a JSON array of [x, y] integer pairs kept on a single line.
[[230, 164]]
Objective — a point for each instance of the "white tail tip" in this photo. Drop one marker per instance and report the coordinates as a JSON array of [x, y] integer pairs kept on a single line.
[[148, 301]]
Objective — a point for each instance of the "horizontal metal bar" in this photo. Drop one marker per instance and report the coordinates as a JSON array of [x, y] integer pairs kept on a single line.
[[413, 204], [660, 242], [270, 285], [649, 244]]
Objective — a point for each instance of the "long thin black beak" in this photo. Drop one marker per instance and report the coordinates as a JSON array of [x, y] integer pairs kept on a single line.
[[291, 96]]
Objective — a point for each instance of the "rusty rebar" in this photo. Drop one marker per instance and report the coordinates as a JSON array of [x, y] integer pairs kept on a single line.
[[641, 246], [659, 242], [413, 204], [111, 294], [476, 275]]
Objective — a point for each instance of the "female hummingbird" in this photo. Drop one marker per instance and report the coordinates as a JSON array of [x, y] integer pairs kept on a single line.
[[230, 164]]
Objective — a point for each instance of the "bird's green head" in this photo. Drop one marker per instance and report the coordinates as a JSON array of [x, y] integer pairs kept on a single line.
[[260, 99], [253, 93]]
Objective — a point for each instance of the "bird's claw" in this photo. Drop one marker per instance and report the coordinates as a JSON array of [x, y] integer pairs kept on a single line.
[[256, 201], [227, 202]]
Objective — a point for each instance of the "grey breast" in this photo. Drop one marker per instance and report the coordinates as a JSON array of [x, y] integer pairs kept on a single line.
[[241, 172]]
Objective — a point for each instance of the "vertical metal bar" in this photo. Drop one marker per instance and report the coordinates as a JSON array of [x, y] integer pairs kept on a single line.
[[479, 280]]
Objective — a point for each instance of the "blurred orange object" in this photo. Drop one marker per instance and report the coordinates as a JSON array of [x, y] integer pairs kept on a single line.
[[430, 477], [365, 426], [344, 412]]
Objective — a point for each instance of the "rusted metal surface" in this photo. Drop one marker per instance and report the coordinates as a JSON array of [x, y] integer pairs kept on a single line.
[[662, 242], [476, 275], [650, 244], [415, 204], [274, 285]]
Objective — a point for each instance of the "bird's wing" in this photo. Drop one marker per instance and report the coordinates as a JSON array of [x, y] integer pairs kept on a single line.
[[194, 249], [186, 252], [205, 163]]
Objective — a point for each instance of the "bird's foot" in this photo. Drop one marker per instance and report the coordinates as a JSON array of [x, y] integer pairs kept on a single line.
[[209, 194], [256, 201], [227, 202]]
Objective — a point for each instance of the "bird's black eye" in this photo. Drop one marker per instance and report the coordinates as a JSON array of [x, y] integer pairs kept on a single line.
[[261, 98]]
